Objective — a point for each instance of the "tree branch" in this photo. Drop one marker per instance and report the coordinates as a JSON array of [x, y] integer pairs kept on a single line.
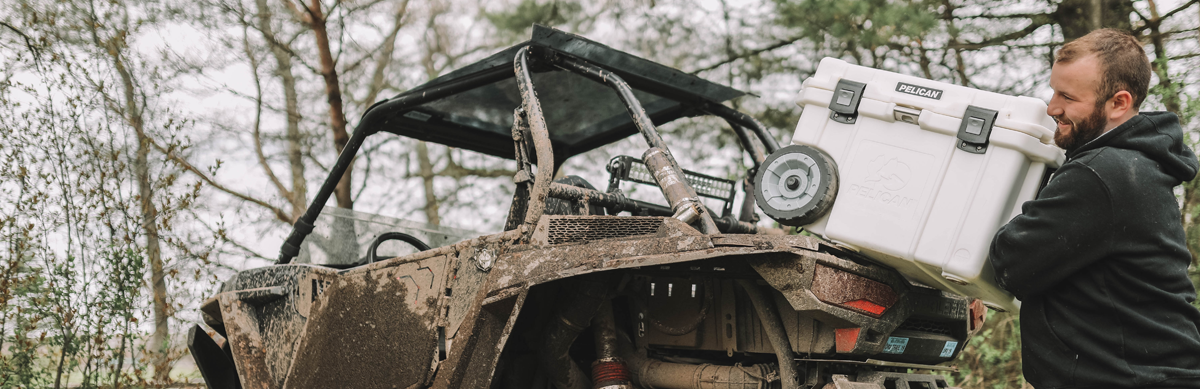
[[1036, 23], [257, 133], [275, 42], [1178, 9], [296, 13], [245, 250], [366, 177], [1008, 16], [267, 35], [456, 171], [385, 56], [1185, 56], [1159, 20], [37, 55], [279, 213], [314, 160], [747, 54]]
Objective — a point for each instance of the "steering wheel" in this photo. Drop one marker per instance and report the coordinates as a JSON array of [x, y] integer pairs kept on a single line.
[[372, 257]]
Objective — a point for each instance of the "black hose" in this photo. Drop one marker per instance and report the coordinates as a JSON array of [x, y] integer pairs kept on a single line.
[[604, 329], [745, 120], [756, 152], [572, 316]]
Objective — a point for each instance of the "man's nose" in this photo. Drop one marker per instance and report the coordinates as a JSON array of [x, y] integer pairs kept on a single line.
[[1054, 108]]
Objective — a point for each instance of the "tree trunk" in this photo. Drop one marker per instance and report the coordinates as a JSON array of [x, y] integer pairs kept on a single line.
[[159, 340], [1169, 92], [298, 197], [333, 92], [960, 66], [1171, 100], [62, 359], [1191, 226], [1079, 17], [1191, 216], [426, 172]]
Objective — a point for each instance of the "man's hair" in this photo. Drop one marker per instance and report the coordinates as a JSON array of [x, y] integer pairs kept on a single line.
[[1123, 62]]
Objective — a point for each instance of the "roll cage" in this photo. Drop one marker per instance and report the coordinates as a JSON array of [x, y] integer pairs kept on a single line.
[[485, 106]]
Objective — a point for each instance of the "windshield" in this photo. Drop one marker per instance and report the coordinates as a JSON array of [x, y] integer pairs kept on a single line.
[[342, 237]]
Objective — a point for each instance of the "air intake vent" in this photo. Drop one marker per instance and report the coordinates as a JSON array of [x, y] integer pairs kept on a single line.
[[584, 228], [925, 326]]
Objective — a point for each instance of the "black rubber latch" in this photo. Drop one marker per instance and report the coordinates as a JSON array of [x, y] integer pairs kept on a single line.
[[976, 129], [214, 364], [291, 245], [844, 105]]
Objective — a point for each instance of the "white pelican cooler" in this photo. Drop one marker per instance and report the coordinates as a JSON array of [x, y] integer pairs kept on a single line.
[[913, 173]]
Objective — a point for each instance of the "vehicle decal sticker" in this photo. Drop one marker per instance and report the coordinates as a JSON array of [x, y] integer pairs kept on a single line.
[[895, 345], [949, 349]]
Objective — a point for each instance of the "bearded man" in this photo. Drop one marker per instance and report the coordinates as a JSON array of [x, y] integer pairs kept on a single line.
[[1099, 258]]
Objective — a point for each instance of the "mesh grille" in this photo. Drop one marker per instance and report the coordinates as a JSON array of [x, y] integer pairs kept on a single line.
[[571, 229], [925, 326], [704, 185]]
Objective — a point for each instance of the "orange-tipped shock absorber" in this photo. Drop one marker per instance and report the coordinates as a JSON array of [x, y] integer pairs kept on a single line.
[[610, 373]]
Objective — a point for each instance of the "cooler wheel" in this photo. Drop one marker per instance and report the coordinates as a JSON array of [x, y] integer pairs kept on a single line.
[[796, 185]]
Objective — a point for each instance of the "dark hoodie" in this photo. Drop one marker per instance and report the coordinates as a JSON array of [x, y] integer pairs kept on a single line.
[[1099, 262]]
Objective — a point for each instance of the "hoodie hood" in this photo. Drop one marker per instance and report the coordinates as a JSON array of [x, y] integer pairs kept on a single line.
[[1155, 134]]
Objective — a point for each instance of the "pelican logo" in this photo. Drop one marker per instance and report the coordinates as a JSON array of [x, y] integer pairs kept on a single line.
[[889, 172], [887, 175], [914, 90]]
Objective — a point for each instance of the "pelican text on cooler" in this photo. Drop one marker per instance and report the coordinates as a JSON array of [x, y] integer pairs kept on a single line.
[[919, 91]]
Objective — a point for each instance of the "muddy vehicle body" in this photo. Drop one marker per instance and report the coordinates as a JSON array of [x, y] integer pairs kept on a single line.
[[584, 288]]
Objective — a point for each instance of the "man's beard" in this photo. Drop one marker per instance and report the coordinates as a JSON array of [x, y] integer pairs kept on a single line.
[[1082, 132]]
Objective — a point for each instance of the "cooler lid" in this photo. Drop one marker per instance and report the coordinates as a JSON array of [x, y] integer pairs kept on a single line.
[[1018, 113]]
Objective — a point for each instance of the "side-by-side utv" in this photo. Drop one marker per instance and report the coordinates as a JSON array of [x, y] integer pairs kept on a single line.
[[584, 288]]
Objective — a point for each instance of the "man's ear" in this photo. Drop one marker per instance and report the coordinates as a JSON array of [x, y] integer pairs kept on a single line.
[[1119, 105]]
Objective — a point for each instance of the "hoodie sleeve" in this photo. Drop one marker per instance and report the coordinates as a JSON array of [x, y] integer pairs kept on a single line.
[[1065, 229]]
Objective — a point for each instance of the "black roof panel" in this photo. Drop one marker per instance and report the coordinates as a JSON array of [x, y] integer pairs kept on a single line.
[[581, 114]]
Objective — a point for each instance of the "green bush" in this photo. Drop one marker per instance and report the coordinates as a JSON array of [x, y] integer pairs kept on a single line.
[[991, 358]]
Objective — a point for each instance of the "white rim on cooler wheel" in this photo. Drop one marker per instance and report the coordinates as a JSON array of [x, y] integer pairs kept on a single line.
[[796, 185]]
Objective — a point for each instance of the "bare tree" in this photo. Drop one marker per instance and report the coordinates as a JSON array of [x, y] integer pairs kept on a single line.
[[99, 112], [297, 195], [264, 30], [108, 32]]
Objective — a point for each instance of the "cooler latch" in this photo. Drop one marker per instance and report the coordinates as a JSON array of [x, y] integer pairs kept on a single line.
[[976, 129], [906, 115], [846, 97]]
